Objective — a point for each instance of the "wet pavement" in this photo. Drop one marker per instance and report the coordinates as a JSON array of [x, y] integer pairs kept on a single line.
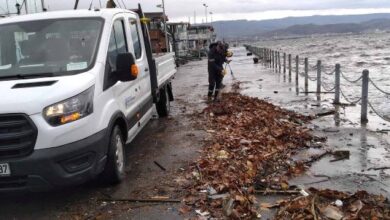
[[368, 144], [176, 141], [172, 142]]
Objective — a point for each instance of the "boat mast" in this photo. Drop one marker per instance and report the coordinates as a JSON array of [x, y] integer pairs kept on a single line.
[[76, 4], [25, 2], [43, 5], [7, 7]]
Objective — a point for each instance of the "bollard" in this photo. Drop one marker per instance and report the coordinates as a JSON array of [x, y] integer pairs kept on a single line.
[[297, 70], [289, 67], [306, 75], [284, 63], [279, 63], [365, 82], [319, 77], [337, 85]]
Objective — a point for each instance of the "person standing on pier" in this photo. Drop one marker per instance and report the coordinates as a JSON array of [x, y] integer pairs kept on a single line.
[[215, 69]]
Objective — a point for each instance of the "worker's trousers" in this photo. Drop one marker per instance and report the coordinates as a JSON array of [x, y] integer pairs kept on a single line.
[[215, 83]]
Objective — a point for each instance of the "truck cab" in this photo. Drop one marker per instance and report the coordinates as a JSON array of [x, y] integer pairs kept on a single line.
[[75, 87]]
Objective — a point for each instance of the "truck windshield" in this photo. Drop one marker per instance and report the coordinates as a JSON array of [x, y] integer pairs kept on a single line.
[[52, 47]]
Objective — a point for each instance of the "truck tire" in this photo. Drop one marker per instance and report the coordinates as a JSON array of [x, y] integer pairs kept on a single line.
[[163, 105], [114, 172]]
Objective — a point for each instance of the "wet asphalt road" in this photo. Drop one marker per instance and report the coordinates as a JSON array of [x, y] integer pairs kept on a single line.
[[172, 142], [175, 141]]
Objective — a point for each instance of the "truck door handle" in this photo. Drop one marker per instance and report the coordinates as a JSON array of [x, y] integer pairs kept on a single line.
[[146, 69]]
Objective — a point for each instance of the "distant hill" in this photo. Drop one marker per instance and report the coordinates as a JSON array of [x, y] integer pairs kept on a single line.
[[310, 29], [245, 28]]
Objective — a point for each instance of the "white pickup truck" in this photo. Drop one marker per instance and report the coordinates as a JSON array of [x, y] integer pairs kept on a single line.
[[75, 87]]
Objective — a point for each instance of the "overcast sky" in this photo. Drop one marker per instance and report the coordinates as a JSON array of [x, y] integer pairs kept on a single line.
[[181, 10]]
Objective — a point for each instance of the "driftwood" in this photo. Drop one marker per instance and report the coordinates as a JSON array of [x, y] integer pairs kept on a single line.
[[143, 200], [317, 157], [160, 166], [379, 168], [321, 114], [265, 192]]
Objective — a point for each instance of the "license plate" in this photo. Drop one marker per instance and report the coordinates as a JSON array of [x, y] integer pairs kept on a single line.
[[5, 169]]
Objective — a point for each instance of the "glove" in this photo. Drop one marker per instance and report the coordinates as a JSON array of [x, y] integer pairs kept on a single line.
[[229, 54], [224, 72]]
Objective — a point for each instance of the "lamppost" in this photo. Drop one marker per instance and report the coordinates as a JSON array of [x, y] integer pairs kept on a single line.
[[165, 24], [7, 7], [205, 8], [211, 15]]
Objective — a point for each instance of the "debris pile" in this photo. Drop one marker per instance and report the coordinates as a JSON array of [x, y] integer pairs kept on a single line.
[[329, 204], [251, 140]]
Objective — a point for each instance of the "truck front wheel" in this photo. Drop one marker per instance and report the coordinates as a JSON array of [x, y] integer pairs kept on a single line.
[[163, 105], [114, 171]]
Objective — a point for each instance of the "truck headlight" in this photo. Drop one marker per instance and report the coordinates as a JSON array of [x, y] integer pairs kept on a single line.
[[71, 109]]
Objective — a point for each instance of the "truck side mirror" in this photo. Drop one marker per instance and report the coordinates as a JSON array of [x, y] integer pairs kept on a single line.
[[126, 70]]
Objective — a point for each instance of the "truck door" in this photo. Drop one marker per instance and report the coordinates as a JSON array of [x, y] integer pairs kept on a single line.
[[127, 93], [138, 50]]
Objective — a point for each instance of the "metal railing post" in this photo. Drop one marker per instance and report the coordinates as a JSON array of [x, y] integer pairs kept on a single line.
[[262, 53], [270, 58], [319, 77], [337, 85], [276, 61], [297, 70], [306, 75], [284, 62], [279, 63], [273, 59], [365, 82], [289, 67]]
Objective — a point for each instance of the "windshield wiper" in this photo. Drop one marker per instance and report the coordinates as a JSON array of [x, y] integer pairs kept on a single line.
[[27, 76]]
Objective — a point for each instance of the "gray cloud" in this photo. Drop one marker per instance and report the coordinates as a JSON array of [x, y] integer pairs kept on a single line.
[[186, 8]]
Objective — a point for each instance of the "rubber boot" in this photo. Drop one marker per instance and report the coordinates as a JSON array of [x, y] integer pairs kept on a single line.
[[209, 96], [216, 97]]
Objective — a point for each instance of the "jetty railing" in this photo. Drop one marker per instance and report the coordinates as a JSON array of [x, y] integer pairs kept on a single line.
[[272, 59]]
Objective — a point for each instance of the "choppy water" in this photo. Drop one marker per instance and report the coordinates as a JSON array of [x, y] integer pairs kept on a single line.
[[354, 52]]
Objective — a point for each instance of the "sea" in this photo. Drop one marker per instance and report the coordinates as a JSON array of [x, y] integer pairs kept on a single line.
[[354, 52]]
